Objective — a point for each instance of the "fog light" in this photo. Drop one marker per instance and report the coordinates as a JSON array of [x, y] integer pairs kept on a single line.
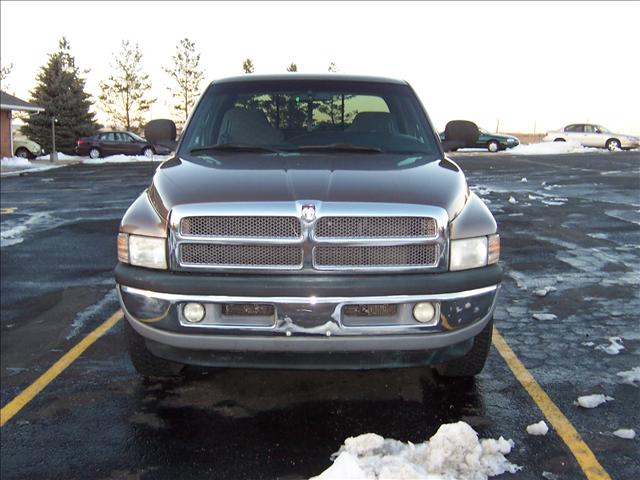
[[193, 312], [424, 312]]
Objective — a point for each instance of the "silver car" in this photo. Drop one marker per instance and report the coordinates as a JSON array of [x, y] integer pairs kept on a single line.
[[591, 135]]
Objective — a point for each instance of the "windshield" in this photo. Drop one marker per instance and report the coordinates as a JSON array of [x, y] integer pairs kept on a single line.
[[308, 116], [136, 137]]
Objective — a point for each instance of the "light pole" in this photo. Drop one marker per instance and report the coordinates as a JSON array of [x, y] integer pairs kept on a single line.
[[54, 154]]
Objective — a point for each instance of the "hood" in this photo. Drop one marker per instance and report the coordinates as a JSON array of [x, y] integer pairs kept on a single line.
[[375, 178]]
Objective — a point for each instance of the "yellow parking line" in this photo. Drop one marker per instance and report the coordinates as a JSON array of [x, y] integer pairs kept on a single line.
[[14, 406], [585, 457]]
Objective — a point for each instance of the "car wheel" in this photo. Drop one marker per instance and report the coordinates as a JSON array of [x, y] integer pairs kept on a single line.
[[23, 153], [147, 152], [493, 146], [613, 144], [143, 361], [473, 361], [559, 140], [94, 152]]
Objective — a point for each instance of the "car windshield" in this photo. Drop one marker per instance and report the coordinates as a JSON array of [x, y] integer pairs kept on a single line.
[[273, 117], [483, 130], [137, 138]]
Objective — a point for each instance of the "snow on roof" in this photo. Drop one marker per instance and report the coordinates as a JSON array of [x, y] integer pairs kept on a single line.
[[9, 102]]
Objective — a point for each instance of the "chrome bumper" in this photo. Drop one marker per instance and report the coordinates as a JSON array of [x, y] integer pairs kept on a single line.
[[309, 324]]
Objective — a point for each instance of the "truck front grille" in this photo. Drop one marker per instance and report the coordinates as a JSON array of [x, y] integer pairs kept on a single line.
[[248, 256], [421, 255], [375, 227], [241, 226]]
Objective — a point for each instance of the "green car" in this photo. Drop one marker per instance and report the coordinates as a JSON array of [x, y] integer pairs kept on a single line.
[[491, 141]]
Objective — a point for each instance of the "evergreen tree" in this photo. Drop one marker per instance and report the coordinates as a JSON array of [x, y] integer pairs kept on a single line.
[[292, 68], [187, 75], [124, 94], [5, 71], [332, 67], [60, 91], [247, 66]]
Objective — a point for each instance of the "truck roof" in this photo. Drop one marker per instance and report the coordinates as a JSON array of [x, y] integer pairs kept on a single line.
[[332, 77]]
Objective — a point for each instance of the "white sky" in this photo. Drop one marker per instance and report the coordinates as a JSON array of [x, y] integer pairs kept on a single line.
[[547, 63]]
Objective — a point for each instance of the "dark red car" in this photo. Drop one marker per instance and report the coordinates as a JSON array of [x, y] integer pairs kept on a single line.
[[103, 144]]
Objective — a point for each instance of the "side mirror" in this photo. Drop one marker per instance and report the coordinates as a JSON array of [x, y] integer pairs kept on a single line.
[[460, 134], [161, 132]]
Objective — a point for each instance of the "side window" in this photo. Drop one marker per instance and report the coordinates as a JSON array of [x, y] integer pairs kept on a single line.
[[123, 137], [109, 137], [589, 129], [574, 128]]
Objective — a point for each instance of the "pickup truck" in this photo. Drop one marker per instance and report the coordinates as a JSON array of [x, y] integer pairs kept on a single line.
[[308, 222]]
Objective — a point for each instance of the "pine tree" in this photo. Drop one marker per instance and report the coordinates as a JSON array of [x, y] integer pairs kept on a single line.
[[124, 94], [187, 75], [332, 67], [292, 68], [60, 91], [247, 66]]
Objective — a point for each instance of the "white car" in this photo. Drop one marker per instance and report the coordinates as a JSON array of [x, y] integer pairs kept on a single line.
[[591, 135]]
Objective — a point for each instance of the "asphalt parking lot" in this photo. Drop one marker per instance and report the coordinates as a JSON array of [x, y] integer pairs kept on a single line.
[[571, 222]]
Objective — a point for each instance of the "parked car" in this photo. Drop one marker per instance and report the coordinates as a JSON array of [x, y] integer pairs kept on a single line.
[[491, 141], [591, 135], [103, 144], [309, 221], [24, 147]]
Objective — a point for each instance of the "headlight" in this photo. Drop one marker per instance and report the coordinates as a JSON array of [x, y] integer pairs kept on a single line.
[[142, 251], [474, 252], [511, 140]]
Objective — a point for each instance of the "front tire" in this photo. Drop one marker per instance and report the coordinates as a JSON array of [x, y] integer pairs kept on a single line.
[[143, 361], [493, 146], [148, 152], [472, 363], [559, 140], [613, 144], [94, 153]]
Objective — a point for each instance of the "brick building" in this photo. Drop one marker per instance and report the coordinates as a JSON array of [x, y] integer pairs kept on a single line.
[[8, 103]]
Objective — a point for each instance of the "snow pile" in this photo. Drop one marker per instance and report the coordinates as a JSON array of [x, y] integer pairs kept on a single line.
[[614, 347], [630, 377], [512, 200], [453, 453], [550, 148], [542, 292], [592, 401], [61, 156], [126, 159], [625, 433], [15, 162], [539, 428], [544, 316]]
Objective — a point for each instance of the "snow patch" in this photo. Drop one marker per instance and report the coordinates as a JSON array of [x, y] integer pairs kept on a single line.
[[524, 180], [14, 234], [15, 162], [614, 347], [630, 377], [61, 156], [89, 312], [125, 159], [592, 401], [539, 428], [454, 452], [542, 292], [512, 201], [550, 148], [626, 433], [544, 316]]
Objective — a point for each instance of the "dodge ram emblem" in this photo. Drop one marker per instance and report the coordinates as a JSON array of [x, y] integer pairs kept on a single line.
[[309, 212]]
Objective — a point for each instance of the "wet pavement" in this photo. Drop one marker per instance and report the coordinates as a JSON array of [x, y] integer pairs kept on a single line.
[[573, 225]]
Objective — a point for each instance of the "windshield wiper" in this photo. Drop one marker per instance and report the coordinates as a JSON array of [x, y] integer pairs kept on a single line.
[[339, 147], [232, 147]]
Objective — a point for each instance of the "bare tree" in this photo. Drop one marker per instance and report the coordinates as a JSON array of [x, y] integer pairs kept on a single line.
[[187, 76], [247, 66], [292, 68], [332, 67], [124, 94], [5, 71]]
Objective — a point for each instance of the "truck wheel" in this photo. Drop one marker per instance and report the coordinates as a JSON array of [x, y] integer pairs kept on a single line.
[[473, 362], [143, 361]]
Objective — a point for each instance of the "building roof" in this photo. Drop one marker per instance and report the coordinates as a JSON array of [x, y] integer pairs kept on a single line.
[[9, 102], [332, 77]]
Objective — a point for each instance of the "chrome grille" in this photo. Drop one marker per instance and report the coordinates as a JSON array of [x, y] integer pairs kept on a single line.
[[241, 226], [214, 255], [377, 256], [375, 227]]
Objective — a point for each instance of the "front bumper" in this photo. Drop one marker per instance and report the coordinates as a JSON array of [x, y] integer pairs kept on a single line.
[[309, 326]]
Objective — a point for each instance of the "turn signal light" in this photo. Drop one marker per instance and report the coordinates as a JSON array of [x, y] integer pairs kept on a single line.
[[494, 249], [123, 247]]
